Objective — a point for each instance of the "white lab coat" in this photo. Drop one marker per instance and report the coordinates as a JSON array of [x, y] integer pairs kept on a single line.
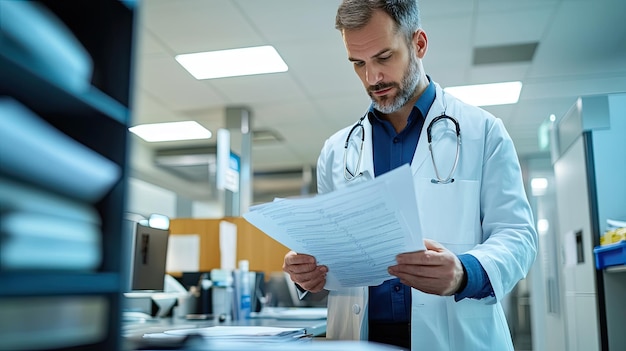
[[484, 212]]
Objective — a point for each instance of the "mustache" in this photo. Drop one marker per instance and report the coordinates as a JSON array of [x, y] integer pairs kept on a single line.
[[381, 86]]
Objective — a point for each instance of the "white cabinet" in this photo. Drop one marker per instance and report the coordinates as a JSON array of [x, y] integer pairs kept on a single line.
[[589, 165]]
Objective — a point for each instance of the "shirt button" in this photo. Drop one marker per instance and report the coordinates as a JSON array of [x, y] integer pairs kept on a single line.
[[397, 288], [356, 309], [395, 140]]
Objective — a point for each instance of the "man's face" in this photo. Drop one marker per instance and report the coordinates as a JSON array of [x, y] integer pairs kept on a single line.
[[384, 62]]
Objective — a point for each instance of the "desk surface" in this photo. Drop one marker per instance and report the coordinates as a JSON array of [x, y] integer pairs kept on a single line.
[[134, 331]]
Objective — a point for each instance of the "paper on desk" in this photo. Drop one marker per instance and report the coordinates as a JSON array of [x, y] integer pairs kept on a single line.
[[240, 332], [356, 231], [292, 313]]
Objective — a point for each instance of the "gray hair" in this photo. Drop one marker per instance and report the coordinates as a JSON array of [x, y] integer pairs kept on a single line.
[[355, 14]]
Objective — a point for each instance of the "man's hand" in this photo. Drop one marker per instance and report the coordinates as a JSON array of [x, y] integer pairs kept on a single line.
[[435, 270], [304, 271]]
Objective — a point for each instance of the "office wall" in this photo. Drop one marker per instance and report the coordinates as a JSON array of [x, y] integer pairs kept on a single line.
[[145, 198], [264, 253]]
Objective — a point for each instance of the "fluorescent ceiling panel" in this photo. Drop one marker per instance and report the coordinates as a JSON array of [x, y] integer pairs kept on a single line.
[[171, 131], [488, 94], [234, 62]]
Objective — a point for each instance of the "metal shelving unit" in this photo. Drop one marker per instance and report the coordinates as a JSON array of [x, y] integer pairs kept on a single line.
[[98, 118]]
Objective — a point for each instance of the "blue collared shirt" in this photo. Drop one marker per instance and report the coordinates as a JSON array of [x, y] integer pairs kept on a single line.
[[390, 302]]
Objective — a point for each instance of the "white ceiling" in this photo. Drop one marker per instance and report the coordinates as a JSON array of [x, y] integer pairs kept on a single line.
[[581, 51]]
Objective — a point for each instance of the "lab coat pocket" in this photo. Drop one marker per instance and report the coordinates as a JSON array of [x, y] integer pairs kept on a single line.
[[474, 323], [449, 213]]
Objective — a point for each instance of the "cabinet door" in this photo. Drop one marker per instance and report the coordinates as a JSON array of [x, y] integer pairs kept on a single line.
[[575, 241]]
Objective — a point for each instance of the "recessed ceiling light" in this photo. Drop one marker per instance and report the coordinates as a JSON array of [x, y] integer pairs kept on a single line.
[[171, 131], [488, 94], [234, 62], [539, 186]]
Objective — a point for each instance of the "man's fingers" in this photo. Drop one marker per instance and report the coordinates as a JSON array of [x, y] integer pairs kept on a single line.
[[301, 268], [314, 281], [294, 258], [434, 255], [304, 271], [318, 287], [424, 258], [433, 245]]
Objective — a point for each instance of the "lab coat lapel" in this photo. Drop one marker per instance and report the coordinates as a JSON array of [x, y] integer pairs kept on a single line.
[[368, 151], [421, 152]]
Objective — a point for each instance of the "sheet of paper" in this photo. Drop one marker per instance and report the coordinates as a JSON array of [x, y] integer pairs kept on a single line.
[[356, 231], [183, 253], [252, 332], [292, 313]]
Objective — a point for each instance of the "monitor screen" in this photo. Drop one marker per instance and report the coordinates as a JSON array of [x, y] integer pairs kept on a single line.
[[148, 253]]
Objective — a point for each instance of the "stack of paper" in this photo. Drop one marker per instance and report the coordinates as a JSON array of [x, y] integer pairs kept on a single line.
[[234, 337], [243, 333], [292, 313], [356, 231], [256, 338]]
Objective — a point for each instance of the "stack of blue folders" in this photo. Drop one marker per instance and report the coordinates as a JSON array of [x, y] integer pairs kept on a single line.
[[49, 184]]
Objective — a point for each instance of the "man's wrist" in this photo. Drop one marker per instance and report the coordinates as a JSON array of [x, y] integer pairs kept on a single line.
[[463, 284], [477, 284]]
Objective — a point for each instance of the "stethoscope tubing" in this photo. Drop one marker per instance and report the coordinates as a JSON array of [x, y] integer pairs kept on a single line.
[[449, 178], [438, 180]]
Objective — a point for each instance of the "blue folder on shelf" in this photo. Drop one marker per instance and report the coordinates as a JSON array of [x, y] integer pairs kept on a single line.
[[34, 151]]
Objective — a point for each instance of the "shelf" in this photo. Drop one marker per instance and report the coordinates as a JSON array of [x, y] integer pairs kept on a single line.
[[615, 269], [46, 97], [95, 114], [54, 283]]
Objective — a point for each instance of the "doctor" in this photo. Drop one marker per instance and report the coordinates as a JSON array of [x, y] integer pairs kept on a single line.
[[471, 202]]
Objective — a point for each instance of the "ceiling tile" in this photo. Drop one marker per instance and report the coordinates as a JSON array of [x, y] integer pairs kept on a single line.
[[166, 80]]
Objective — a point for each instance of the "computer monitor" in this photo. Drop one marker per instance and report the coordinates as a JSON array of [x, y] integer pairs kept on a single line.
[[147, 249]]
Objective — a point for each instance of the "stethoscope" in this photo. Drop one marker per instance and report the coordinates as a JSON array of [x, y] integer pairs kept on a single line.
[[449, 178], [359, 126]]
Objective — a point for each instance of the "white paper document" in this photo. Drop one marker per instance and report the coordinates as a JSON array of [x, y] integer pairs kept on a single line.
[[229, 338], [356, 231], [249, 333]]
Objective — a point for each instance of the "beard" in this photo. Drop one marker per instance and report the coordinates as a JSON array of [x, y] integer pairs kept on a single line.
[[406, 89]]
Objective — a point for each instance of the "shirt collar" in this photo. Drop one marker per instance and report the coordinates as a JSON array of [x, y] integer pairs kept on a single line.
[[422, 104]]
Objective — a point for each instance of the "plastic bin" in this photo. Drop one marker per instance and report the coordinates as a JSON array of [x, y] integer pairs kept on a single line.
[[610, 255]]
